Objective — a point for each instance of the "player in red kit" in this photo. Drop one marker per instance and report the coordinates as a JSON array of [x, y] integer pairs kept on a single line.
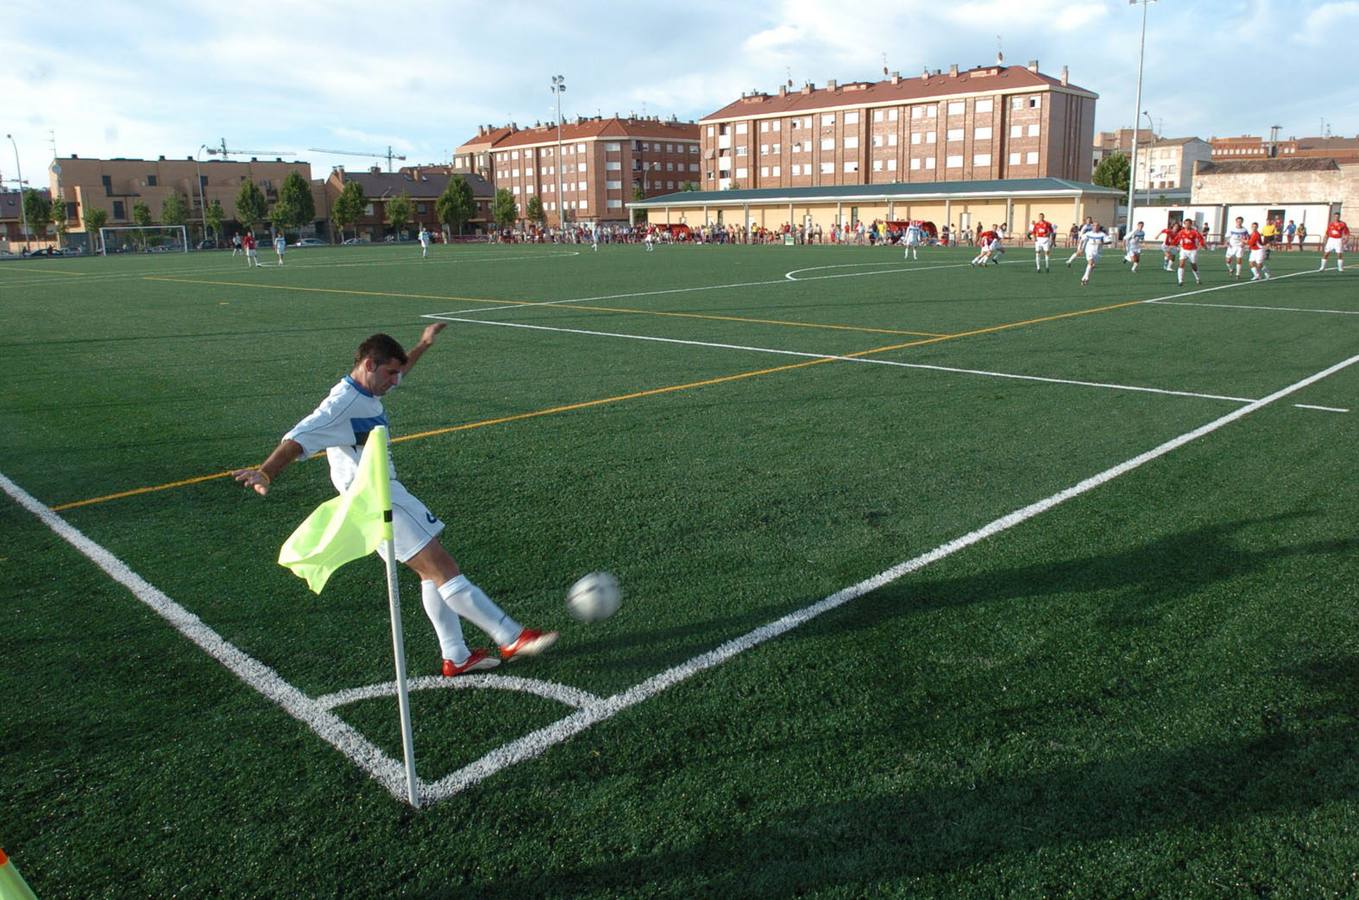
[[988, 241], [1255, 244], [1336, 232], [1169, 241], [248, 244], [1042, 233], [1190, 240]]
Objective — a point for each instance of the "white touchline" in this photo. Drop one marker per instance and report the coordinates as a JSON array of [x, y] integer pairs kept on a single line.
[[898, 263], [536, 742], [1333, 312], [1334, 409], [872, 361]]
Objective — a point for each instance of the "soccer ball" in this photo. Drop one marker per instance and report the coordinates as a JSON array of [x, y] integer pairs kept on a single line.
[[594, 598]]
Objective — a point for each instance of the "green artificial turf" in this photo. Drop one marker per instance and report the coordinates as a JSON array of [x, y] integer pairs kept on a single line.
[[1149, 689]]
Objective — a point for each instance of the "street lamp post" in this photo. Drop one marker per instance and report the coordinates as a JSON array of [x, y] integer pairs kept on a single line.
[[558, 86], [202, 201], [23, 213], [1137, 108]]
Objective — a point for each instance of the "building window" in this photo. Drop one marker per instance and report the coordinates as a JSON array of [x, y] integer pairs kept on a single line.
[[877, 115], [852, 142], [368, 209], [953, 162], [119, 211], [150, 180], [1033, 130], [615, 204], [955, 107], [828, 168], [929, 137], [852, 166], [852, 118], [614, 146], [892, 139], [613, 165], [981, 159], [929, 163], [741, 150], [877, 140], [580, 167], [774, 171], [711, 131], [916, 136], [915, 164], [693, 167], [877, 165], [827, 119], [892, 115], [1014, 159], [773, 148], [982, 134], [1035, 102], [983, 106], [828, 143], [1031, 157], [514, 154], [1017, 103], [1016, 131], [580, 185], [422, 208], [764, 126], [891, 165], [954, 134], [613, 185], [764, 171], [741, 128], [742, 172], [797, 169]]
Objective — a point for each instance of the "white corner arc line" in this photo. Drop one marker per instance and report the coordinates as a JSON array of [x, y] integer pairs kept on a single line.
[[548, 690], [536, 742], [361, 751], [850, 359]]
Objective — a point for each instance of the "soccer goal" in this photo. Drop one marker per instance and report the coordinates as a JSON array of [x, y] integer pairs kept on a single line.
[[144, 238]]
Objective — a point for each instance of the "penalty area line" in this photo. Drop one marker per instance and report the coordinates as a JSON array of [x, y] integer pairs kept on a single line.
[[537, 742]]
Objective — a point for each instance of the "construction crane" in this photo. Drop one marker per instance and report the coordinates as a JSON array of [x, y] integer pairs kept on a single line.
[[389, 155], [223, 152]]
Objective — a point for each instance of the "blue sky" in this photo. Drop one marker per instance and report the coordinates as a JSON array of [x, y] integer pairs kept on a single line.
[[140, 79]]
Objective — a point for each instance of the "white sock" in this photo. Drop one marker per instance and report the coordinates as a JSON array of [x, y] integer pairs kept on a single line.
[[1088, 267], [1134, 267], [446, 624], [470, 602], [1179, 275], [1340, 265]]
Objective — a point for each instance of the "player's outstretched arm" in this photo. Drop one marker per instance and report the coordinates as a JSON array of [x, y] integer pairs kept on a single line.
[[426, 341], [261, 477]]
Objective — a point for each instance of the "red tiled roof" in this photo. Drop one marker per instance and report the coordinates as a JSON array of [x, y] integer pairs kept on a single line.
[[862, 93], [583, 129]]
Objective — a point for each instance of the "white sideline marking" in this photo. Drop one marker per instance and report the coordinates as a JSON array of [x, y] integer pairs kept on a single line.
[[548, 690], [1333, 312], [366, 755], [851, 359], [536, 742], [1334, 409], [903, 266]]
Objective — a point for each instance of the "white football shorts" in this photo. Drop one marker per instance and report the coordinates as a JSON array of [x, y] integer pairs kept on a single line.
[[1189, 256], [413, 525], [1335, 245], [1042, 245]]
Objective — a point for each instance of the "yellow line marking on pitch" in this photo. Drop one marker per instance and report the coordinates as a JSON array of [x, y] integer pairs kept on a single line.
[[637, 395], [27, 271], [556, 303]]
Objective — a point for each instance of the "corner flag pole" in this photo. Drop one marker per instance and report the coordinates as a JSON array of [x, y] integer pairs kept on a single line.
[[384, 488]]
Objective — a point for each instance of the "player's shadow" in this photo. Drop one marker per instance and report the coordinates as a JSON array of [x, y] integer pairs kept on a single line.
[[1141, 583], [758, 843]]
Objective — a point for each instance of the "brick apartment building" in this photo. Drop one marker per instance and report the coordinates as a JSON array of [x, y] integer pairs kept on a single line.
[[116, 185], [1246, 146], [424, 185], [13, 238], [604, 161], [991, 122]]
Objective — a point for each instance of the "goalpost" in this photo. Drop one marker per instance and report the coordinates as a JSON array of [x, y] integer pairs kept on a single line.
[[149, 238]]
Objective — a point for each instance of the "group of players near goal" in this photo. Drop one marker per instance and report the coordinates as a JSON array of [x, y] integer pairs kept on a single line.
[[1180, 246]]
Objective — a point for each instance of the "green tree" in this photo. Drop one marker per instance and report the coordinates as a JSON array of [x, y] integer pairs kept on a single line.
[[95, 218], [690, 186], [399, 212], [295, 197], [59, 219], [456, 205], [141, 214], [1112, 172], [534, 210], [38, 211], [251, 207], [174, 211], [348, 206], [505, 210], [215, 216]]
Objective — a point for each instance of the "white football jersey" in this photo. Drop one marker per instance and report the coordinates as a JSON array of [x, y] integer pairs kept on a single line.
[[1236, 235], [340, 426]]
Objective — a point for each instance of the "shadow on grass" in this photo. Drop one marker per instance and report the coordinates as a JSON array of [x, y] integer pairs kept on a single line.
[[1175, 800]]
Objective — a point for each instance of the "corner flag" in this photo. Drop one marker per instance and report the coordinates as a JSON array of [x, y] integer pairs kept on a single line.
[[346, 527]]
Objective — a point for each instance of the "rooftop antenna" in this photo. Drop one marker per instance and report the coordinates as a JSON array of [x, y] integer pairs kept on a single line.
[[52, 139], [1000, 51], [789, 70], [884, 65]]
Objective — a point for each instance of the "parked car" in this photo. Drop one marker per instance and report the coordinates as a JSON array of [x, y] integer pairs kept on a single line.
[[48, 251], [349, 242], [310, 242]]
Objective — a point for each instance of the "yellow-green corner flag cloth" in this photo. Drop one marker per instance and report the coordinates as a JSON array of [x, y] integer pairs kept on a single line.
[[12, 885], [348, 527]]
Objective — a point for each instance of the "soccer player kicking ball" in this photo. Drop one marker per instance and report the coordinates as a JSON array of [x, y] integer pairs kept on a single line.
[[1190, 240], [1042, 233], [340, 426], [1255, 242], [1132, 246], [1094, 242], [1080, 241], [1236, 247], [1336, 232]]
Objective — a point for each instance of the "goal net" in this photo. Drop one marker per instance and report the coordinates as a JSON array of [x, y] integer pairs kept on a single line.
[[144, 238]]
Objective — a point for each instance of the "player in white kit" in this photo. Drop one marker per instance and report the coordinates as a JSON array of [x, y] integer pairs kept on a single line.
[[280, 244], [424, 242], [913, 240], [1132, 246], [1236, 246], [1080, 240], [340, 426], [1095, 239]]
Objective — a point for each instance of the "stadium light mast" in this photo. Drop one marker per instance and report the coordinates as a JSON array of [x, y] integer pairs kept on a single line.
[[558, 86], [202, 200], [19, 172], [1137, 112], [1151, 126]]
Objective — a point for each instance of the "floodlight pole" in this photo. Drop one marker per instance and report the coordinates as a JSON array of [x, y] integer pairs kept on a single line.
[[202, 201], [559, 85], [1137, 110], [1151, 126], [23, 212]]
